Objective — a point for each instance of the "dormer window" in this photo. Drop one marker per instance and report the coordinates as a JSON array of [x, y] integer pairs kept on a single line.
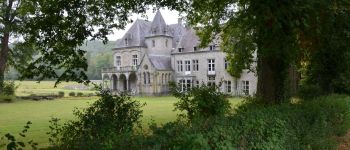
[[212, 47], [165, 31], [153, 43], [154, 31], [181, 50], [126, 42], [195, 48]]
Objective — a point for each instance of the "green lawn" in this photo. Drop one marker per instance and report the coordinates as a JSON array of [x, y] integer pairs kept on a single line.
[[26, 88], [13, 116]]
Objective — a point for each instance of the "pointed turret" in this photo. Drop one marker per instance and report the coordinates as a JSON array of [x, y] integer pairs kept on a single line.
[[158, 26]]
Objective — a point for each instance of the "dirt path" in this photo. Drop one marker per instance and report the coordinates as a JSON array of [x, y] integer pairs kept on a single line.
[[344, 142]]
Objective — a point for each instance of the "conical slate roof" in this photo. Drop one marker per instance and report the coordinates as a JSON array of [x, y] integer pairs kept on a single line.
[[135, 35], [158, 26]]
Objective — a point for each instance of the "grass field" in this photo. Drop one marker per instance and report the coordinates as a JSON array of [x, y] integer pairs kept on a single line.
[[13, 116], [26, 88]]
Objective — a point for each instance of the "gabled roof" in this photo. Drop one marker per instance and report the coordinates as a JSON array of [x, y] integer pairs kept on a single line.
[[188, 40], [135, 35], [160, 62], [176, 31]]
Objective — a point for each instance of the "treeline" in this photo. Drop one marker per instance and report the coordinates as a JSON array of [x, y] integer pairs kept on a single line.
[[98, 55]]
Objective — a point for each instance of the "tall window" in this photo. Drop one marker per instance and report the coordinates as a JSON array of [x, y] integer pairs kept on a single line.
[[181, 50], [245, 87], [162, 78], [226, 63], [185, 84], [179, 65], [211, 64], [211, 81], [153, 43], [195, 65], [195, 48], [197, 83], [166, 43], [126, 42], [144, 78], [188, 85], [148, 78], [228, 86], [187, 65], [134, 60], [118, 61]]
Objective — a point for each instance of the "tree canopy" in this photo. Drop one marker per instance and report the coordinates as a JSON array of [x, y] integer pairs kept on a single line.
[[283, 35]]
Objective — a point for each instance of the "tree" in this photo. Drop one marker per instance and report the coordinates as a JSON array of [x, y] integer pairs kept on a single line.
[[253, 27], [325, 43], [277, 33], [55, 29]]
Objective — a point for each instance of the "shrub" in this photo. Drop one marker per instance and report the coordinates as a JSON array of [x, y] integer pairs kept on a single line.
[[79, 94], [71, 93], [309, 91], [107, 122], [204, 101], [308, 125], [9, 88], [61, 94]]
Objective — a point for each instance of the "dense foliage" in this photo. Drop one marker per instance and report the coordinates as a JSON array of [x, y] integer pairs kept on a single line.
[[284, 36], [201, 102], [103, 125], [325, 42], [110, 124], [306, 125]]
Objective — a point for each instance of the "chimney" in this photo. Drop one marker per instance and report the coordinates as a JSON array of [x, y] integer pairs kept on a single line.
[[179, 21]]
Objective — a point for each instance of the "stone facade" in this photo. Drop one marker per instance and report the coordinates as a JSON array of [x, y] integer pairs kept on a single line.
[[153, 53]]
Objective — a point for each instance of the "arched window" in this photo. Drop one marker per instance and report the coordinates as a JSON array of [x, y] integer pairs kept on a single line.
[[149, 77], [153, 43], [166, 43], [169, 77], [162, 78], [144, 78]]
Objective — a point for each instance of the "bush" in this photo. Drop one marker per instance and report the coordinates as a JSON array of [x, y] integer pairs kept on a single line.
[[308, 125], [204, 101], [309, 91], [9, 88], [61, 94], [107, 122], [71, 93], [79, 94]]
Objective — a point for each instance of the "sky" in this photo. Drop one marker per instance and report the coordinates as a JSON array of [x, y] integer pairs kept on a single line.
[[170, 17]]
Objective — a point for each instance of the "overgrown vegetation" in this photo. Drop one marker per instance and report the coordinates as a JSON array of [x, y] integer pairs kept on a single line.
[[61, 94], [203, 102], [7, 94], [112, 121], [107, 124], [71, 93]]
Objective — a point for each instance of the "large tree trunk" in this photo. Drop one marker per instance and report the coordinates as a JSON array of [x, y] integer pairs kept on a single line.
[[3, 58], [272, 84]]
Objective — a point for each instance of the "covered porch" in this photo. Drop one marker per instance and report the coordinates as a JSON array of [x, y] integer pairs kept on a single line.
[[120, 79]]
